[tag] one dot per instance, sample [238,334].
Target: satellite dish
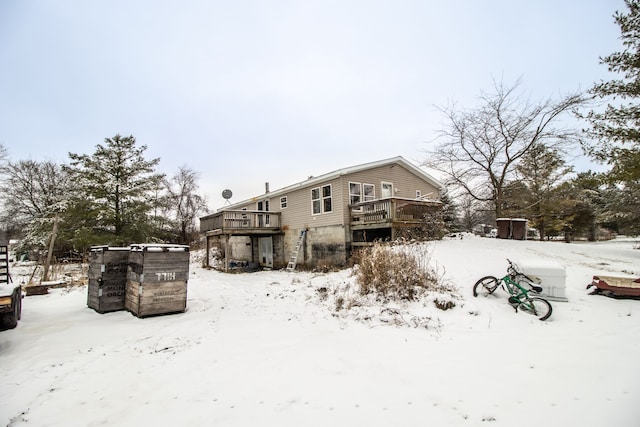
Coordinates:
[227,195]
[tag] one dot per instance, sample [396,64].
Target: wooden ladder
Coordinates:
[4,264]
[293,260]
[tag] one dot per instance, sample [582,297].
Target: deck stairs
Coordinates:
[293,260]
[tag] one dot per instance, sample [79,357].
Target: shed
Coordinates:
[157,279]
[107,278]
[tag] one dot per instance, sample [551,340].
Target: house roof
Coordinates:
[399,160]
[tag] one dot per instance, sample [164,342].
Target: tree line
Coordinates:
[511,157]
[112,197]
[508,157]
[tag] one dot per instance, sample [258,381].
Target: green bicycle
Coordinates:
[513,283]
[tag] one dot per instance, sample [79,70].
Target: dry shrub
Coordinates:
[444,305]
[391,284]
[396,272]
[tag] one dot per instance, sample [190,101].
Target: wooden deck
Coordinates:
[240,222]
[392,218]
[391,212]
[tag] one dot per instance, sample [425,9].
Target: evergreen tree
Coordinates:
[449,212]
[621,211]
[575,213]
[541,170]
[117,184]
[616,130]
[3,155]
[516,200]
[593,191]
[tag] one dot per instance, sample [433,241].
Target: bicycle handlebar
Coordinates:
[516,270]
[515,267]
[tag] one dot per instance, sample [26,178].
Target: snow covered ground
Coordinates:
[265,349]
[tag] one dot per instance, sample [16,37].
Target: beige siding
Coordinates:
[329,232]
[298,213]
[405,182]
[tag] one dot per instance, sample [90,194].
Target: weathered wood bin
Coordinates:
[512,228]
[157,279]
[107,278]
[504,228]
[518,229]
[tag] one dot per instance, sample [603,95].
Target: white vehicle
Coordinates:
[10,294]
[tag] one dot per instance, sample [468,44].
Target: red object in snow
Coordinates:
[615,286]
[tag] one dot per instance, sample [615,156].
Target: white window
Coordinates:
[355,193]
[369,191]
[264,220]
[387,189]
[326,199]
[321,201]
[316,206]
[283,202]
[418,194]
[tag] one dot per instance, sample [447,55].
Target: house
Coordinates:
[319,221]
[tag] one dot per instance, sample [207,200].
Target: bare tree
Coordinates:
[481,147]
[34,196]
[184,204]
[470,213]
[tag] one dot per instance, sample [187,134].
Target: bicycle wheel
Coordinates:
[485,286]
[541,308]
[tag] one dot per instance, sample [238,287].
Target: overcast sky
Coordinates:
[246,92]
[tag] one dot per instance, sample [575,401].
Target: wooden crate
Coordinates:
[157,279]
[107,278]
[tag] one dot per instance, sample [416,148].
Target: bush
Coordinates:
[395,272]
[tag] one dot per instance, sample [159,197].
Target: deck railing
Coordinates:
[240,220]
[391,210]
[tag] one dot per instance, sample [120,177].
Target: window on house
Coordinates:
[315,201]
[355,193]
[283,202]
[263,220]
[369,191]
[321,201]
[326,199]
[387,190]
[418,194]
